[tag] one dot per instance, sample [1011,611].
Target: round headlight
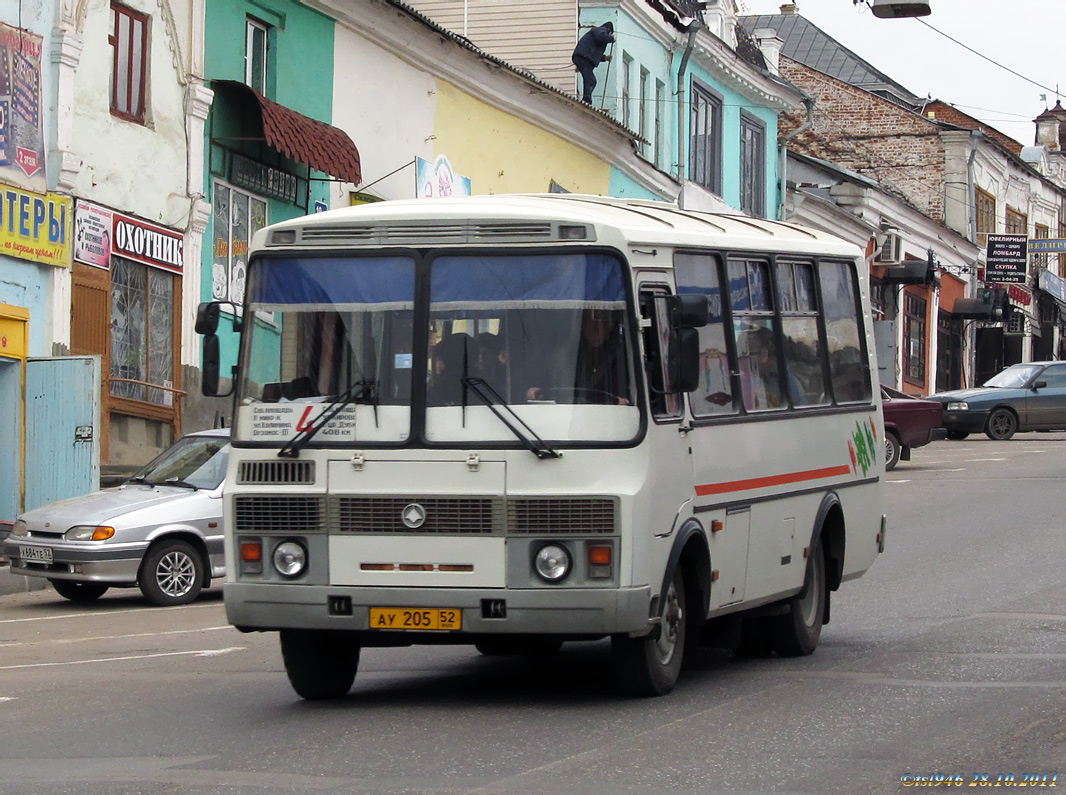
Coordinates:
[290,559]
[552,562]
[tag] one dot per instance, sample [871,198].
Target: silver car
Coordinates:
[161,530]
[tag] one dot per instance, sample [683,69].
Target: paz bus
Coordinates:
[517,421]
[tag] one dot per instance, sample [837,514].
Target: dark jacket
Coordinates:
[593,44]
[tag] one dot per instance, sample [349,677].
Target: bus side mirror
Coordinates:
[207,314]
[684,360]
[688,310]
[211,362]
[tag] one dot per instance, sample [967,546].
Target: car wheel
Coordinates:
[79,591]
[957,436]
[796,633]
[320,664]
[172,573]
[651,665]
[892,450]
[1002,425]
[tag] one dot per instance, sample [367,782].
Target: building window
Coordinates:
[660,102]
[142,332]
[129,55]
[877,298]
[642,109]
[914,338]
[255,55]
[705,161]
[237,216]
[1062,234]
[1017,223]
[627,70]
[1040,232]
[985,210]
[752,165]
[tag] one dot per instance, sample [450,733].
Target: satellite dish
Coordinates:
[895,9]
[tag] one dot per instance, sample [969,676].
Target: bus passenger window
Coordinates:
[804,362]
[753,328]
[698,273]
[848,369]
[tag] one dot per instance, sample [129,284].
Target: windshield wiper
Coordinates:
[182,483]
[142,480]
[491,398]
[358,390]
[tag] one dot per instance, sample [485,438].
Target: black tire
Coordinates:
[79,591]
[892,450]
[499,647]
[796,633]
[957,436]
[651,665]
[171,574]
[320,664]
[755,639]
[1002,425]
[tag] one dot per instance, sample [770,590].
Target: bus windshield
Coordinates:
[542,338]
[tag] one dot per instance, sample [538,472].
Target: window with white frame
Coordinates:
[627,70]
[660,103]
[642,109]
[255,54]
[237,215]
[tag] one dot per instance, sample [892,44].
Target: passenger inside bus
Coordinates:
[601,371]
[445,386]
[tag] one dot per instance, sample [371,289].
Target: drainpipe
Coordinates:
[693,28]
[975,137]
[782,158]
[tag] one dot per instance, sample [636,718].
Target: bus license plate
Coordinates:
[443,618]
[36,554]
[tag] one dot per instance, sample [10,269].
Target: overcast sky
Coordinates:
[1024,35]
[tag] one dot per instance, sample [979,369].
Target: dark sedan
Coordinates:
[1023,397]
[909,422]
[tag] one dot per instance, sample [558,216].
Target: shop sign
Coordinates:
[437,179]
[21,135]
[1019,295]
[92,234]
[1053,285]
[263,179]
[144,242]
[1047,245]
[1006,259]
[35,227]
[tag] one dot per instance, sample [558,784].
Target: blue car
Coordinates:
[1022,397]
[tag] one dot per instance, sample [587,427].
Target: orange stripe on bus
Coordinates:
[771,480]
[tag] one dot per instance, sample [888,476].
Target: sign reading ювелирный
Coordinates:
[1006,259]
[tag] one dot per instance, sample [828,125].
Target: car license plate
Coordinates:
[444,618]
[36,554]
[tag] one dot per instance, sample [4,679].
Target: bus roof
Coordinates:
[497,219]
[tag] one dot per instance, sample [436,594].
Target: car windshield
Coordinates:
[198,461]
[1013,377]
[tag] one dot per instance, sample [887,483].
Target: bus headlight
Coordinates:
[552,563]
[290,559]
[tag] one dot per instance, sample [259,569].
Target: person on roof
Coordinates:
[588,54]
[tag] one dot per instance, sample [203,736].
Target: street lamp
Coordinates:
[895,9]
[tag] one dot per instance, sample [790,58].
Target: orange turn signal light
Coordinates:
[599,556]
[103,533]
[252,550]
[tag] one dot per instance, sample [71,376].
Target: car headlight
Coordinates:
[552,563]
[290,559]
[89,533]
[19,528]
[958,406]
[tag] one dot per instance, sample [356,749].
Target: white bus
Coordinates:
[515,421]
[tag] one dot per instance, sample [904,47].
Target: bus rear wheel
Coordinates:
[796,633]
[320,664]
[651,665]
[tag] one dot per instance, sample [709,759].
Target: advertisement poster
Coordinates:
[21,135]
[92,235]
[436,179]
[35,227]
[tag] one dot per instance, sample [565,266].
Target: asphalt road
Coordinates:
[948,657]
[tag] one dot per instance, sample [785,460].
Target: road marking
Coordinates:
[990,459]
[60,641]
[7,698]
[897,481]
[960,469]
[98,613]
[197,653]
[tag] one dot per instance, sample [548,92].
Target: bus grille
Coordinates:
[548,515]
[444,515]
[279,514]
[276,473]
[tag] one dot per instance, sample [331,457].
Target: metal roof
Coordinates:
[813,47]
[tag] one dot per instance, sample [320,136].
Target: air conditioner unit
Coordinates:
[891,251]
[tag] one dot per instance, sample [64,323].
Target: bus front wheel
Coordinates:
[651,665]
[796,633]
[320,664]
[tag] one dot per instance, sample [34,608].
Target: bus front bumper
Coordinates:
[485,611]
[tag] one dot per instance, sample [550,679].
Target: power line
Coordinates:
[982,55]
